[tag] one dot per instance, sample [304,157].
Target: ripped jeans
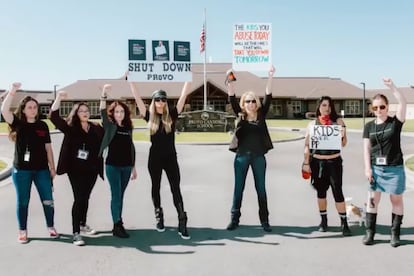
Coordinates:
[22,180]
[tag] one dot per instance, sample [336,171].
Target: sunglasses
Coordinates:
[250,101]
[381,107]
[160,100]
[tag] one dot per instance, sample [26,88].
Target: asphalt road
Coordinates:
[294,247]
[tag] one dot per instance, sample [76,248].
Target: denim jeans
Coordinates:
[118,178]
[241,167]
[22,180]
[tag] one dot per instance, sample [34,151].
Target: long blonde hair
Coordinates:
[154,119]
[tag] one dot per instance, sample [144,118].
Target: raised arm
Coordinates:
[231,91]
[184,93]
[104,95]
[55,118]
[402,102]
[272,71]
[60,96]
[138,99]
[5,107]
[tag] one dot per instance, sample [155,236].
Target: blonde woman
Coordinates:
[161,120]
[251,142]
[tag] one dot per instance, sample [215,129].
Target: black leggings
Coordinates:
[170,165]
[82,185]
[325,174]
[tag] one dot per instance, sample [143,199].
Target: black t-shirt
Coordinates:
[30,142]
[163,143]
[120,147]
[251,137]
[385,140]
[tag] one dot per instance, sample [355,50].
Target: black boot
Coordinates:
[119,230]
[234,222]
[159,216]
[395,230]
[182,226]
[266,226]
[370,228]
[323,226]
[264,216]
[344,226]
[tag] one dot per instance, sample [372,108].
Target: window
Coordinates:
[65,108]
[94,109]
[276,108]
[352,107]
[296,106]
[44,110]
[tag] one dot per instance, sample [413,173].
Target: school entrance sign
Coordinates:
[205,121]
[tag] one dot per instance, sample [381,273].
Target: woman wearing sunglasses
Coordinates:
[324,161]
[161,120]
[251,142]
[383,160]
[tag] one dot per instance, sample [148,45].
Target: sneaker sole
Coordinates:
[89,233]
[160,230]
[184,237]
[79,243]
[22,242]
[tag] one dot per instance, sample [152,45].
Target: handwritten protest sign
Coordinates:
[159,67]
[325,137]
[252,46]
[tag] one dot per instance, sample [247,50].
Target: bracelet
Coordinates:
[303,164]
[104,98]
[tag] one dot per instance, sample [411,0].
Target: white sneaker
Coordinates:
[22,237]
[77,240]
[87,230]
[53,233]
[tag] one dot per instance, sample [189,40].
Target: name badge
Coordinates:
[381,161]
[83,154]
[26,157]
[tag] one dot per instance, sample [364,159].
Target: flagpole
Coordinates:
[205,57]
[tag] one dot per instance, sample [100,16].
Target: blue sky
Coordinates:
[59,42]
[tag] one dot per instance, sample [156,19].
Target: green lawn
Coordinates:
[409,163]
[2,165]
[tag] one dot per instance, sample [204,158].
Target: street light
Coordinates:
[54,91]
[363,104]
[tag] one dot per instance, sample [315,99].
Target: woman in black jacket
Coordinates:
[251,142]
[79,159]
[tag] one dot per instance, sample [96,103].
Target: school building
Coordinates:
[293,97]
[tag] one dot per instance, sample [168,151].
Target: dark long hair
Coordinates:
[333,115]
[126,122]
[73,117]
[20,114]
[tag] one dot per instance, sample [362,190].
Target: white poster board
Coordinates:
[325,137]
[252,44]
